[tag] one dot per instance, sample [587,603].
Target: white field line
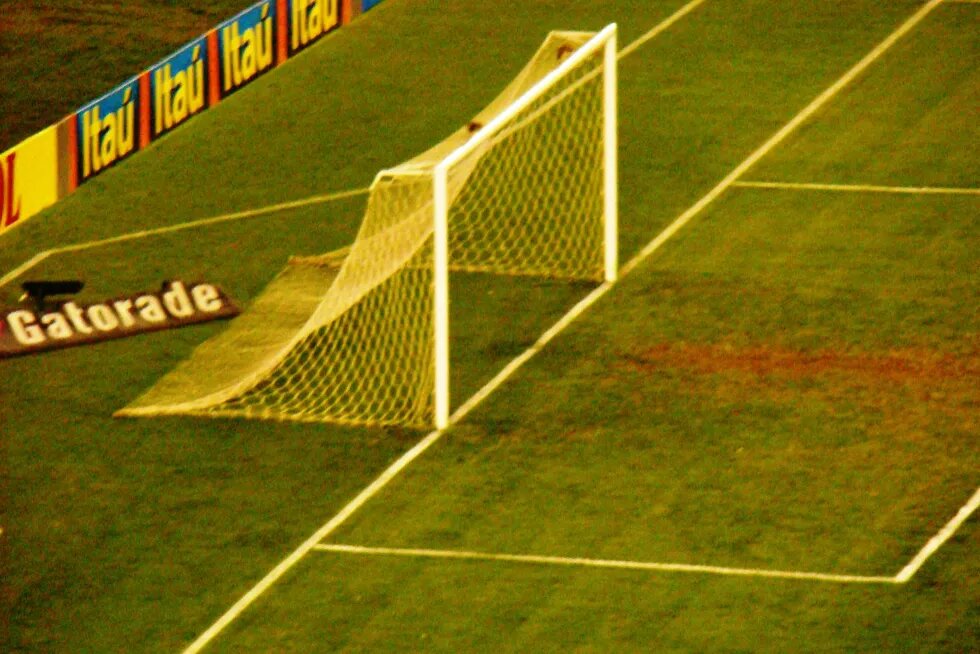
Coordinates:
[604,563]
[524,356]
[276,573]
[785,131]
[860,188]
[940,538]
[660,27]
[24,267]
[930,548]
[392,471]
[226,217]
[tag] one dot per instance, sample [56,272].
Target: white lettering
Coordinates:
[177,302]
[23,327]
[125,310]
[149,309]
[206,298]
[76,318]
[103,318]
[174,305]
[57,326]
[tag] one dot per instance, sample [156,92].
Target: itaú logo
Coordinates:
[175,305]
[246,51]
[109,137]
[179,94]
[9,198]
[311,19]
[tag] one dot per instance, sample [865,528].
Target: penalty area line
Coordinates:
[939,539]
[930,548]
[649,566]
[860,188]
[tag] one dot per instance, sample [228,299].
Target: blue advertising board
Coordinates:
[178,86]
[247,45]
[107,129]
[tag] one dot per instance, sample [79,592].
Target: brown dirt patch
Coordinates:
[895,366]
[910,395]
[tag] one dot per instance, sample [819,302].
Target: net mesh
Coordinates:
[348,337]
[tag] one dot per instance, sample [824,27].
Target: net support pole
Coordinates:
[441,292]
[610,168]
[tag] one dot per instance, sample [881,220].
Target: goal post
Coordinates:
[610,127]
[362,336]
[602,44]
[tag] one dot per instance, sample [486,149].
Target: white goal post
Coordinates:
[361,335]
[604,41]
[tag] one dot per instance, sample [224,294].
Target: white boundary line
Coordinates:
[226,217]
[24,267]
[940,538]
[604,563]
[276,573]
[906,573]
[785,131]
[659,27]
[860,188]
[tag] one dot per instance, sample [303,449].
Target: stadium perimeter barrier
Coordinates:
[49,165]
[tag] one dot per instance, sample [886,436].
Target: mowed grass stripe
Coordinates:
[913,134]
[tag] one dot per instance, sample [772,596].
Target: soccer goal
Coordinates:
[361,336]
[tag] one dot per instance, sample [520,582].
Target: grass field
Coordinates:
[737,448]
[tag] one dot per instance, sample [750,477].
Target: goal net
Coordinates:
[361,336]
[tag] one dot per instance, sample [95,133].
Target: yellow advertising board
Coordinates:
[28,178]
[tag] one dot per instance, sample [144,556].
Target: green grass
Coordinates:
[788,384]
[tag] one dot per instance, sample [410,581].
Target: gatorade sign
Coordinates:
[176,304]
